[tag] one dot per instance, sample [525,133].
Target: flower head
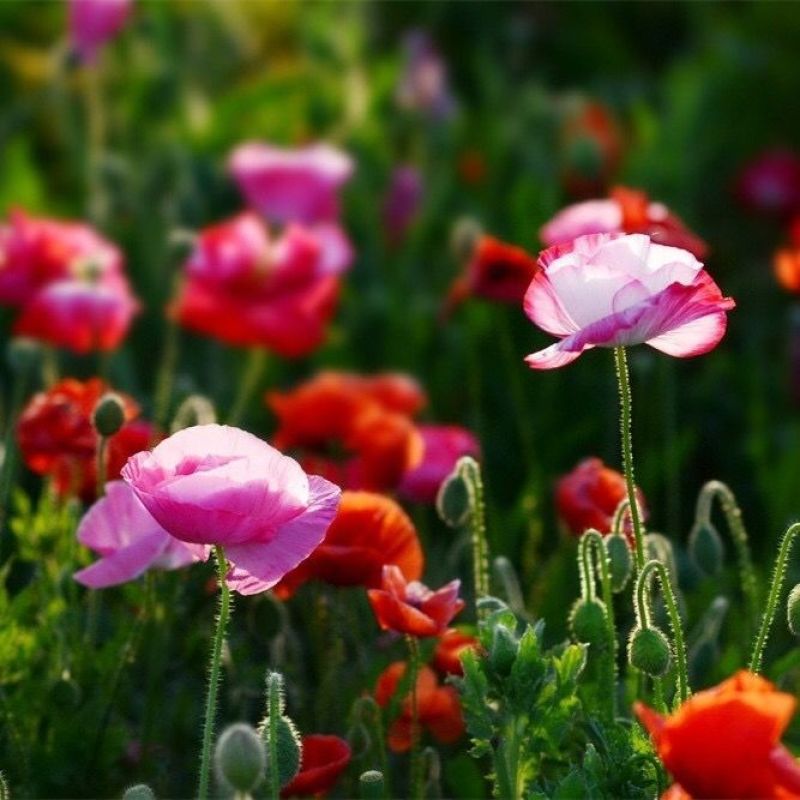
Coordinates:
[589,496]
[725,742]
[449,649]
[93,22]
[248,288]
[129,541]
[770,183]
[213,484]
[368,532]
[438,707]
[322,760]
[608,290]
[413,608]
[286,185]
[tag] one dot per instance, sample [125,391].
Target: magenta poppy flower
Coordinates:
[609,290]
[401,202]
[248,288]
[443,445]
[128,540]
[80,315]
[298,185]
[213,484]
[770,183]
[93,22]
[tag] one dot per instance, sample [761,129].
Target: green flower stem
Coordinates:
[642,589]
[253,372]
[733,516]
[415,756]
[778,576]
[619,516]
[274,711]
[214,673]
[477,524]
[624,381]
[102,464]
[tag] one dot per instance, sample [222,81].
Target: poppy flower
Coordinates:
[413,608]
[215,484]
[368,532]
[322,760]
[291,185]
[725,742]
[770,183]
[449,648]
[37,251]
[591,147]
[496,271]
[93,22]
[589,495]
[438,707]
[442,446]
[787,260]
[401,202]
[128,540]
[250,289]
[56,436]
[363,419]
[423,87]
[607,290]
[625,211]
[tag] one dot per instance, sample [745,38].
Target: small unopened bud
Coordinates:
[24,355]
[649,651]
[287,740]
[454,501]
[503,649]
[620,560]
[588,621]
[109,414]
[705,546]
[194,410]
[464,238]
[239,758]
[371,785]
[141,791]
[793,610]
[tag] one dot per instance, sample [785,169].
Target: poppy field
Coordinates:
[399,400]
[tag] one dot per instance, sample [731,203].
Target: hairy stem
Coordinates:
[416,760]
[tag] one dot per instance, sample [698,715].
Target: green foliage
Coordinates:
[526,716]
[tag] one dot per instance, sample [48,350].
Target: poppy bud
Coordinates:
[503,649]
[23,355]
[372,785]
[705,546]
[620,560]
[454,500]
[109,414]
[239,758]
[287,739]
[194,410]
[141,791]
[793,610]
[464,237]
[649,651]
[588,621]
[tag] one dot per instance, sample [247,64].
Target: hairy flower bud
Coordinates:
[793,610]
[503,649]
[588,621]
[109,414]
[620,560]
[649,651]
[706,548]
[141,791]
[239,758]
[371,785]
[453,502]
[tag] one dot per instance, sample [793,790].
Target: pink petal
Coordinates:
[259,566]
[543,307]
[557,355]
[694,338]
[125,564]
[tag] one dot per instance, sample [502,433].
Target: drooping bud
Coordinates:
[649,651]
[503,649]
[141,791]
[371,784]
[194,410]
[24,355]
[620,560]
[239,758]
[793,610]
[109,414]
[286,738]
[588,621]
[454,499]
[706,548]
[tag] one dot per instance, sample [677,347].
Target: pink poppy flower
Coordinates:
[443,445]
[247,288]
[299,185]
[80,315]
[93,22]
[213,484]
[129,540]
[770,183]
[610,289]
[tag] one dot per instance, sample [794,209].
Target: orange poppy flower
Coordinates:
[322,761]
[438,707]
[369,531]
[725,742]
[447,655]
[413,608]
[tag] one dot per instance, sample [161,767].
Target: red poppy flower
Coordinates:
[56,436]
[725,742]
[497,271]
[589,495]
[438,707]
[413,608]
[323,759]
[449,648]
[248,289]
[369,531]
